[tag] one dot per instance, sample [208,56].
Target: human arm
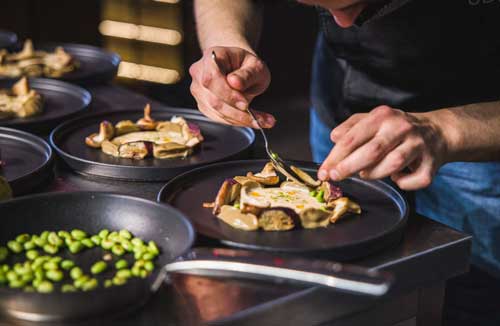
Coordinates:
[411,147]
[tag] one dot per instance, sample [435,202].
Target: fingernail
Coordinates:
[334,175]
[241,105]
[322,175]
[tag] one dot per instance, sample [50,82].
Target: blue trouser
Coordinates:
[465,196]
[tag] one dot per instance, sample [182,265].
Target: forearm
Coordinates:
[472,131]
[235,23]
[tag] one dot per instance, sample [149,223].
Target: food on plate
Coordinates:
[147,137]
[20,101]
[125,257]
[35,63]
[5,190]
[260,201]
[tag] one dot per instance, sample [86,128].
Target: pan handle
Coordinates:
[248,264]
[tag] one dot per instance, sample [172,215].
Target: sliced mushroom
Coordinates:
[110,148]
[266,177]
[32,104]
[250,196]
[169,126]
[21,87]
[136,151]
[237,219]
[288,176]
[342,206]
[126,127]
[305,177]
[242,180]
[106,132]
[170,150]
[275,220]
[26,53]
[146,122]
[224,195]
[313,218]
[331,192]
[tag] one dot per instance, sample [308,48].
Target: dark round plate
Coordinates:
[221,142]
[28,160]
[61,102]
[381,223]
[96,65]
[7,39]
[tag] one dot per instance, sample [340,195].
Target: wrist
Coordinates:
[234,41]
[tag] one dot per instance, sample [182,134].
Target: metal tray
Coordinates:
[381,223]
[221,143]
[7,39]
[28,160]
[61,102]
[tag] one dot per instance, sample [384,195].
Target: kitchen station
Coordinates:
[136,192]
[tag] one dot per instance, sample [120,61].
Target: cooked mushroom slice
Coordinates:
[21,87]
[331,192]
[225,194]
[311,218]
[275,220]
[157,137]
[249,195]
[306,178]
[237,219]
[266,177]
[110,148]
[147,123]
[170,150]
[241,179]
[106,132]
[31,105]
[126,127]
[288,176]
[137,150]
[168,126]
[344,205]
[26,53]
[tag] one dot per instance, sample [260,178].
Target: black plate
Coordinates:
[221,142]
[7,39]
[381,223]
[61,101]
[96,64]
[28,160]
[91,212]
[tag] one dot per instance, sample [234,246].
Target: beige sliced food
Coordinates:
[344,205]
[312,218]
[156,137]
[305,177]
[106,132]
[232,216]
[171,150]
[20,101]
[275,220]
[125,127]
[137,150]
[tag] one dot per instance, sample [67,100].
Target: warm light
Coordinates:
[148,73]
[140,32]
[168,1]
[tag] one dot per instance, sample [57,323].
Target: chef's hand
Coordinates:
[408,147]
[224,96]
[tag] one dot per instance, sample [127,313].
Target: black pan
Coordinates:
[174,235]
[27,158]
[381,223]
[7,39]
[221,142]
[96,65]
[62,101]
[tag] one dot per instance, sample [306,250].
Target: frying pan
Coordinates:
[151,221]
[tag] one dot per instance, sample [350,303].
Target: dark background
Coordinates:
[286,45]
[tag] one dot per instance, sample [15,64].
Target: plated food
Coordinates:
[124,256]
[20,101]
[263,201]
[36,63]
[147,137]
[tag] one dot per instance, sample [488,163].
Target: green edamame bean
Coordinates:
[56,259]
[39,274]
[3,278]
[121,264]
[103,234]
[113,236]
[140,263]
[15,246]
[78,234]
[45,287]
[29,288]
[148,256]
[67,264]
[124,273]
[22,238]
[143,273]
[119,281]
[153,248]
[108,283]
[44,235]
[29,245]
[88,243]
[106,244]
[11,276]
[76,273]
[54,275]
[21,269]
[80,281]
[125,234]
[137,242]
[136,271]
[68,288]
[50,266]
[16,284]
[149,266]
[76,247]
[90,285]
[98,267]
[55,240]
[127,245]
[64,234]
[69,241]
[50,249]
[5,268]
[118,250]
[32,254]
[4,253]
[40,242]
[96,240]
[28,277]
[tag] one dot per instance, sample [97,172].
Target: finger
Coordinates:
[214,80]
[420,178]
[252,77]
[344,127]
[395,161]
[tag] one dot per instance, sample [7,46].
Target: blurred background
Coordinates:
[157,42]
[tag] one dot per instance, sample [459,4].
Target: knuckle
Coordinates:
[206,79]
[419,144]
[214,103]
[376,148]
[405,127]
[398,161]
[426,180]
[383,111]
[346,141]
[333,135]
